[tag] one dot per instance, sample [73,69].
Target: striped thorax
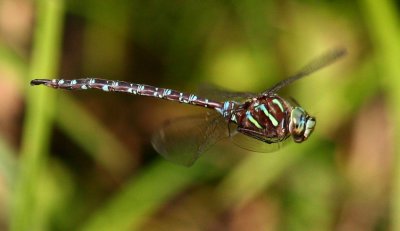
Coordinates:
[270,118]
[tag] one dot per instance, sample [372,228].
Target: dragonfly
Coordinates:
[259,122]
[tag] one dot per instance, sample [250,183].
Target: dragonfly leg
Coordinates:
[259,135]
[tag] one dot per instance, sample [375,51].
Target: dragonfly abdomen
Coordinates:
[131,88]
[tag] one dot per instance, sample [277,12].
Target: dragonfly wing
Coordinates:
[183,140]
[220,94]
[315,65]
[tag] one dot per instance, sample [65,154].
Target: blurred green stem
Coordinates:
[39,114]
[146,193]
[98,145]
[384,29]
[239,187]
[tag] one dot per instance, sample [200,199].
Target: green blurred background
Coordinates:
[83,160]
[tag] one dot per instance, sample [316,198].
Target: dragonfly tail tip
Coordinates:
[39,82]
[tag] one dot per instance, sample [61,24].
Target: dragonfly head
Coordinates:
[301,125]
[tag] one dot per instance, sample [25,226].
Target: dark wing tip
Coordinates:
[39,81]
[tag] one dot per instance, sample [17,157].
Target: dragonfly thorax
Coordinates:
[264,118]
[270,118]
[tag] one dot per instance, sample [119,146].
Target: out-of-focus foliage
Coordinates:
[83,161]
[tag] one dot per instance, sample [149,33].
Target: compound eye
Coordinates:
[297,125]
[310,125]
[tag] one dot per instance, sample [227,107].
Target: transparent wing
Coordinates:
[219,94]
[183,140]
[293,101]
[252,144]
[321,62]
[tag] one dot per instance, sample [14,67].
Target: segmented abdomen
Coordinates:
[132,88]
